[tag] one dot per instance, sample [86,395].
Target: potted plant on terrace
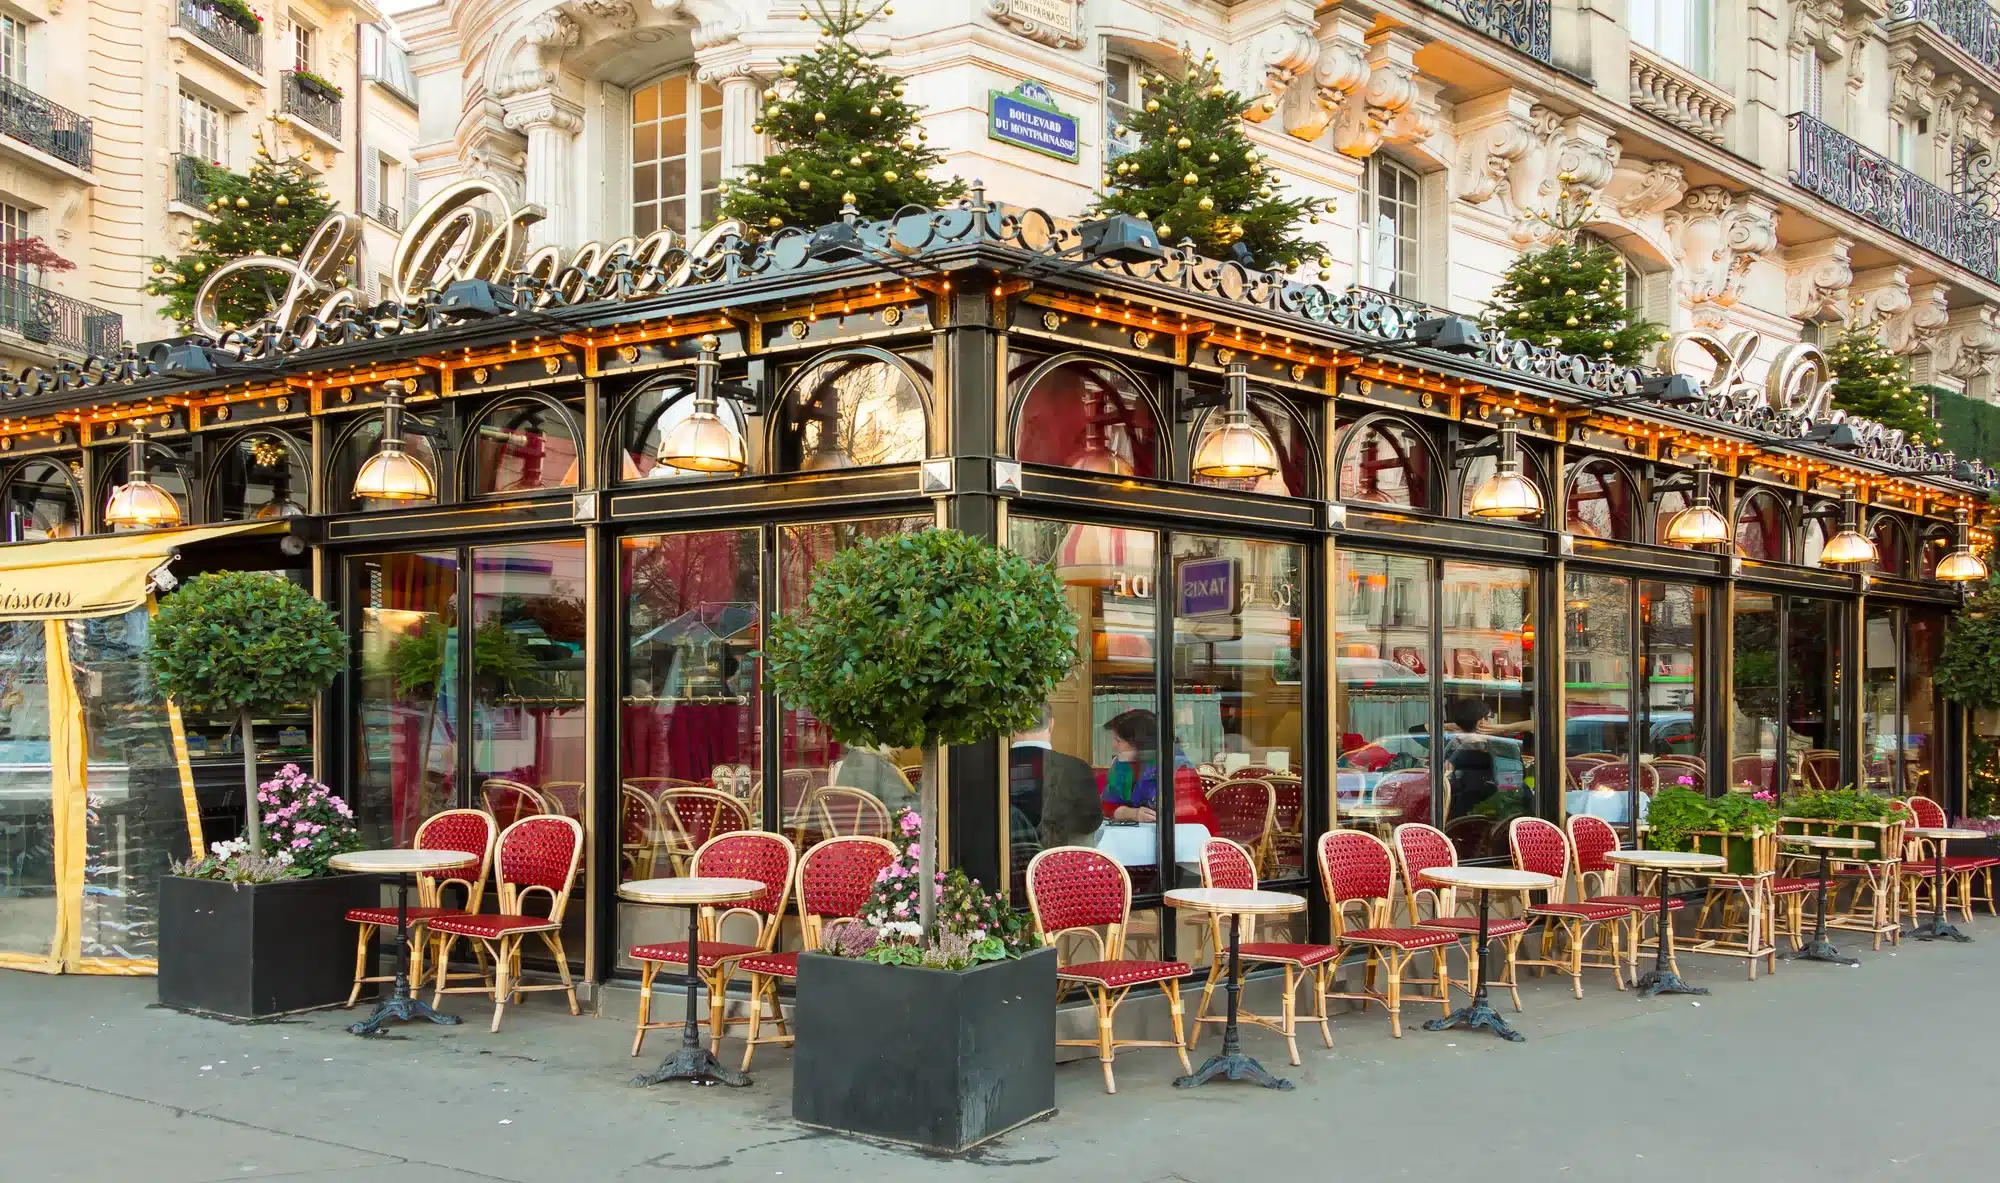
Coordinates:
[258,926]
[947,1008]
[1741,827]
[1848,813]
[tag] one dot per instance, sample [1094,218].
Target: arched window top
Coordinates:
[1665,506]
[1892,546]
[648,415]
[1819,526]
[522,445]
[260,474]
[1282,422]
[1089,415]
[1938,542]
[1473,472]
[40,501]
[354,449]
[854,409]
[1762,527]
[169,476]
[1387,462]
[1601,501]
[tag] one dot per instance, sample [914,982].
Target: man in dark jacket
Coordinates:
[1053,796]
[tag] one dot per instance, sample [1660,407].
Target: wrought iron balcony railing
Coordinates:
[305,100]
[39,123]
[189,188]
[223,31]
[51,318]
[1969,23]
[1527,25]
[1867,183]
[387,214]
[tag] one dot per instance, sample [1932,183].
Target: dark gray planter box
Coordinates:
[251,951]
[927,1057]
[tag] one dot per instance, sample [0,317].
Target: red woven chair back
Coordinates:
[1250,772]
[509,802]
[636,817]
[1592,838]
[1422,847]
[566,796]
[1539,846]
[836,876]
[1225,864]
[1759,772]
[767,858]
[467,830]
[1927,812]
[1077,887]
[538,854]
[1354,865]
[1677,772]
[1242,810]
[1580,766]
[701,814]
[1408,790]
[1614,776]
[1291,797]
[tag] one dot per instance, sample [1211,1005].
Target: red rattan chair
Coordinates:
[1540,846]
[535,854]
[1418,849]
[834,880]
[563,796]
[1244,808]
[841,812]
[1079,889]
[1970,872]
[1757,772]
[469,830]
[509,800]
[1681,772]
[1288,831]
[1226,864]
[1820,768]
[1357,873]
[1591,838]
[752,854]
[694,816]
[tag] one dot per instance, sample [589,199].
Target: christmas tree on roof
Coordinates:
[1571,292]
[1871,382]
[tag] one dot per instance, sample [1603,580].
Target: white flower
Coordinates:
[903,928]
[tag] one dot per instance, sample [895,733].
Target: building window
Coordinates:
[676,154]
[1086,415]
[1386,463]
[14,49]
[1389,228]
[1124,91]
[1679,30]
[13,228]
[304,39]
[1809,74]
[202,124]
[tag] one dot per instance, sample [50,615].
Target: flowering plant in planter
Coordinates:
[973,924]
[305,825]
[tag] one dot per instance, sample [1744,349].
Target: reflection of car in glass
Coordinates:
[1395,753]
[1666,733]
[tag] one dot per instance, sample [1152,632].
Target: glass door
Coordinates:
[404,755]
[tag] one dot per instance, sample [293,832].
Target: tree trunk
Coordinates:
[927,847]
[253,813]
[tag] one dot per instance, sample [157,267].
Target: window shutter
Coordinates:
[409,192]
[371,182]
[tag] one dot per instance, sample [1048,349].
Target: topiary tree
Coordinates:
[918,640]
[241,642]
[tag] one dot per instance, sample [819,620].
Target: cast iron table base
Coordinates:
[1480,1013]
[1819,948]
[1937,928]
[401,1006]
[692,1059]
[1661,979]
[1230,1062]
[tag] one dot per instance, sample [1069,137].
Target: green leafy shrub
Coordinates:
[1743,813]
[1674,818]
[1842,805]
[1968,669]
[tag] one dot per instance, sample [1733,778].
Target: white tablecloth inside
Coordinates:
[1138,846]
[1610,804]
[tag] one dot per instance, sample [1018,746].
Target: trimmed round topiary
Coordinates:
[244,642]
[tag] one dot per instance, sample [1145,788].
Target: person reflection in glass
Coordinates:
[1055,791]
[1132,788]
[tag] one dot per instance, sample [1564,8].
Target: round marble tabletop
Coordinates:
[1235,900]
[1370,812]
[690,890]
[1942,832]
[1666,860]
[401,861]
[1826,841]
[1489,878]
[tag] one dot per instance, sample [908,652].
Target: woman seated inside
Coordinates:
[1132,786]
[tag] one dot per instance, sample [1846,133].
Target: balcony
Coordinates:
[386,214]
[1869,185]
[58,321]
[190,188]
[1527,25]
[44,126]
[309,102]
[222,32]
[1968,24]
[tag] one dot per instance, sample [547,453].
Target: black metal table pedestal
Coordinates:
[692,1059]
[1480,1013]
[402,1006]
[1230,1062]
[1937,927]
[1819,948]
[1661,979]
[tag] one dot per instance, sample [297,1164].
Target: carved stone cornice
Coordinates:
[1519,153]
[1817,278]
[1969,347]
[540,109]
[536,53]
[1278,56]
[1393,105]
[1908,317]
[1031,21]
[1640,187]
[1338,71]
[1717,235]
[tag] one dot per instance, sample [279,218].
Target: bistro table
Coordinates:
[1821,949]
[1485,881]
[1234,903]
[692,1060]
[401,1006]
[1661,979]
[1938,928]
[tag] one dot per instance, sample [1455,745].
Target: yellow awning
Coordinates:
[104,575]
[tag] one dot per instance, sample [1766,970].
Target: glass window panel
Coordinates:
[1665,506]
[406,691]
[673,179]
[645,184]
[1761,527]
[673,97]
[711,168]
[260,476]
[1755,718]
[1474,471]
[1815,632]
[1239,681]
[645,220]
[645,144]
[1093,775]
[524,446]
[1387,464]
[1673,631]
[1288,435]
[1383,674]
[1600,501]
[1921,738]
[355,450]
[1881,702]
[1089,416]
[1891,547]
[852,411]
[646,103]
[1599,683]
[40,502]
[651,416]
[1489,704]
[27,838]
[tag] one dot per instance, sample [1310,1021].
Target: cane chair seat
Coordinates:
[491,926]
[386,917]
[1496,926]
[1774,886]
[1647,904]
[1124,973]
[777,965]
[1400,938]
[1593,910]
[1970,862]
[1286,951]
[713,953]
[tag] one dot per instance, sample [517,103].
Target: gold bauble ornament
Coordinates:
[784,170]
[1608,343]
[874,110]
[756,129]
[1324,275]
[804,186]
[1190,179]
[1152,104]
[791,70]
[867,156]
[1571,322]
[1206,203]
[854,161]
[242,203]
[1214,159]
[770,92]
[285,247]
[281,199]
[1183,143]
[819,117]
[897,90]
[889,175]
[776,221]
[1265,192]
[1164,229]
[1218,90]
[847,198]
[159,269]
[771,112]
[1569,291]
[200,267]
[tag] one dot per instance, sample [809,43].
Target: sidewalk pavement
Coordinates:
[1818,1073]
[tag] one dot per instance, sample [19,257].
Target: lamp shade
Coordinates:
[703,442]
[1506,494]
[1235,447]
[1849,548]
[392,474]
[1961,566]
[1697,525]
[283,507]
[140,504]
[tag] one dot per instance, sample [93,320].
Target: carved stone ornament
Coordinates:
[1908,317]
[537,50]
[1279,56]
[1717,235]
[1340,70]
[1393,105]
[1640,187]
[1051,22]
[619,14]
[1817,276]
[1970,346]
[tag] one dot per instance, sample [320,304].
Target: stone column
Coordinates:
[550,123]
[742,99]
